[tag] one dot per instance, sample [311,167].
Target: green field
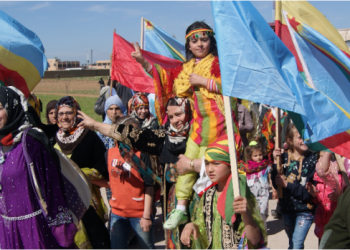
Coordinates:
[86,104]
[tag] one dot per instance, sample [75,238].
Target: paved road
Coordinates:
[277,238]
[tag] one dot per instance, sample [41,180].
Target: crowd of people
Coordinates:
[150,150]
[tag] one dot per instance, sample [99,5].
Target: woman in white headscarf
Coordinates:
[114,108]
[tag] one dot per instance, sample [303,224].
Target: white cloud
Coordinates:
[39,6]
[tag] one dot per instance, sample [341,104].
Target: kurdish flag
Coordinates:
[159,42]
[256,65]
[22,58]
[323,60]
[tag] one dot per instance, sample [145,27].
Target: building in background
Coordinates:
[102,64]
[57,64]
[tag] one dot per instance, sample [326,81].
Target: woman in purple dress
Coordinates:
[22,221]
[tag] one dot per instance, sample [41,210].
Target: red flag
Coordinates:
[130,73]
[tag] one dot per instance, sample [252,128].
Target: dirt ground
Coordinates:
[79,87]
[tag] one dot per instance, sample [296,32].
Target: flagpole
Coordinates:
[278,126]
[142,32]
[110,70]
[278,145]
[232,146]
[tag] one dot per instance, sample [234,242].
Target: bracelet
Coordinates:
[192,165]
[145,218]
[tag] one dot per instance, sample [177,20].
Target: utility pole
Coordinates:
[91,57]
[87,57]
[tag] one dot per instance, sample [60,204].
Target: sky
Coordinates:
[68,28]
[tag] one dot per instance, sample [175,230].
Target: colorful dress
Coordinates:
[22,224]
[216,233]
[206,103]
[257,175]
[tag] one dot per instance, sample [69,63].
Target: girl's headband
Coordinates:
[209,31]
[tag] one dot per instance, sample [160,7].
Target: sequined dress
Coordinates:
[22,224]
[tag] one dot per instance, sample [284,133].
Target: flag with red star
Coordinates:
[324,63]
[157,41]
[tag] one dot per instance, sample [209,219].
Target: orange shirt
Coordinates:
[127,186]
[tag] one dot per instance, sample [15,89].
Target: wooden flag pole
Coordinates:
[232,146]
[342,169]
[110,70]
[278,145]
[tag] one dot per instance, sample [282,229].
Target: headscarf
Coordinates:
[69,102]
[138,100]
[16,107]
[218,151]
[113,100]
[175,141]
[51,105]
[69,138]
[130,106]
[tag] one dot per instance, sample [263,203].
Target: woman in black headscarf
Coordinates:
[86,149]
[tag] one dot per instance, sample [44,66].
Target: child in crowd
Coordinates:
[329,186]
[132,195]
[199,80]
[257,172]
[298,169]
[218,223]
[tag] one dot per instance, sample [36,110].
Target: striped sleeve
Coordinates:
[211,86]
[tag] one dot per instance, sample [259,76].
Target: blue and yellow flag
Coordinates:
[22,58]
[256,65]
[157,41]
[326,68]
